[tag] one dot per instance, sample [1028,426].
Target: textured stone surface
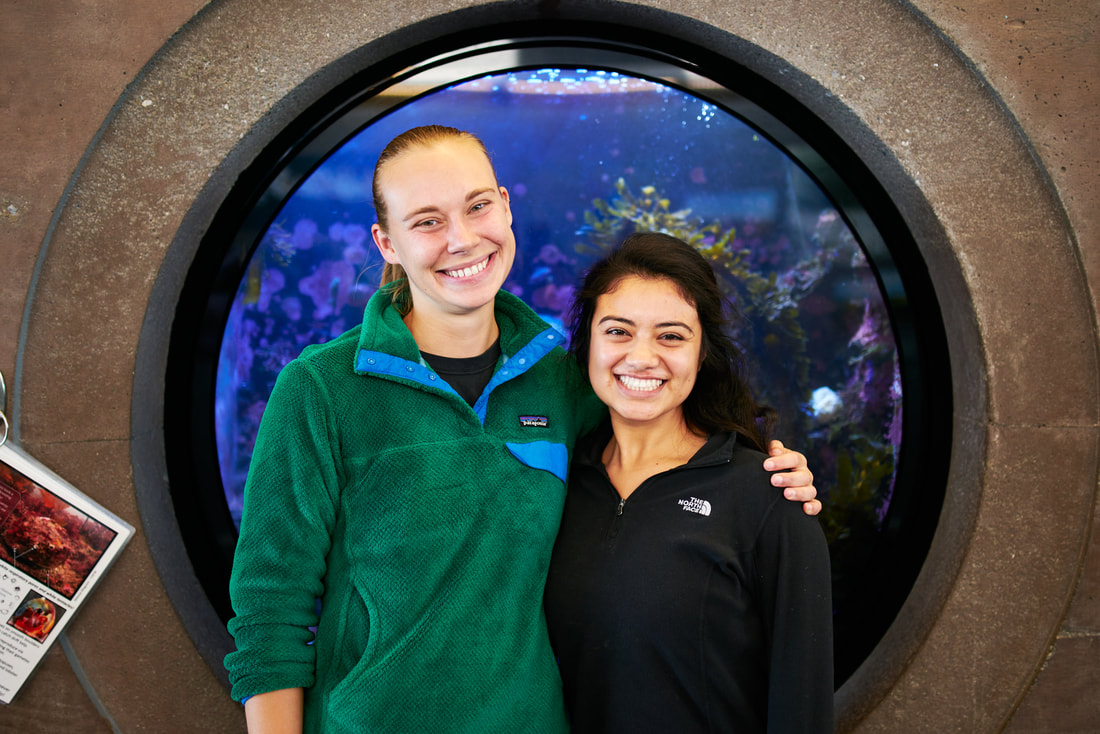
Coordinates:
[64,67]
[1008,590]
[1043,60]
[140,653]
[989,107]
[1084,613]
[1063,700]
[53,700]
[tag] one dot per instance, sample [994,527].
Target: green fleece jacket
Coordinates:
[423,525]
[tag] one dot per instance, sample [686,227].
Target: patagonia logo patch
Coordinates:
[534,421]
[696,505]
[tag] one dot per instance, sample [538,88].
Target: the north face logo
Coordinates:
[534,421]
[697,505]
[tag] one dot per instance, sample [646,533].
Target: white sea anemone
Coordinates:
[825,403]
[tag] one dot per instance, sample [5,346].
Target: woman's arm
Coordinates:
[275,712]
[290,509]
[795,594]
[792,473]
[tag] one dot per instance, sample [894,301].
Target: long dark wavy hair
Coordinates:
[721,399]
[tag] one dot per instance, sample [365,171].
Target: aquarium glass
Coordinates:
[589,156]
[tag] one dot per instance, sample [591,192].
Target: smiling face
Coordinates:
[645,351]
[449,225]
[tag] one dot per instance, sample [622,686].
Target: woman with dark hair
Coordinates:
[410,475]
[684,594]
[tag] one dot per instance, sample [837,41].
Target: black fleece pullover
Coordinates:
[700,604]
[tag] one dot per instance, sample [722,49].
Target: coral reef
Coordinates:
[842,409]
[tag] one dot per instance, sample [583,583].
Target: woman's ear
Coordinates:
[507,203]
[384,245]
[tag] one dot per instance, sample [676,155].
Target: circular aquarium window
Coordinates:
[841,339]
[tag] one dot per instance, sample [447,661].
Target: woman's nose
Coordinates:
[641,354]
[462,236]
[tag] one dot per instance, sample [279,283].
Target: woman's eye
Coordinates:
[672,337]
[615,331]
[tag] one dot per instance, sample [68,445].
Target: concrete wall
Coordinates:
[987,107]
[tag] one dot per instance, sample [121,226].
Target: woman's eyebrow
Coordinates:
[479,192]
[680,324]
[431,209]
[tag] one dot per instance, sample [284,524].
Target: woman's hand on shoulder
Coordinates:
[792,472]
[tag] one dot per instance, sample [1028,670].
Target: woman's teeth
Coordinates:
[634,383]
[467,272]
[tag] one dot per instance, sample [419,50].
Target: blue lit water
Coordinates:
[818,335]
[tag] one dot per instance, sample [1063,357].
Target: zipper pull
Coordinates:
[622,501]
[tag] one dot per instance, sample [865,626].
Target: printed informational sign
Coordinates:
[55,546]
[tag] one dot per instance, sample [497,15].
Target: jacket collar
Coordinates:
[383,329]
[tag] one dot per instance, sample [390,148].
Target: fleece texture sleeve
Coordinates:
[285,537]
